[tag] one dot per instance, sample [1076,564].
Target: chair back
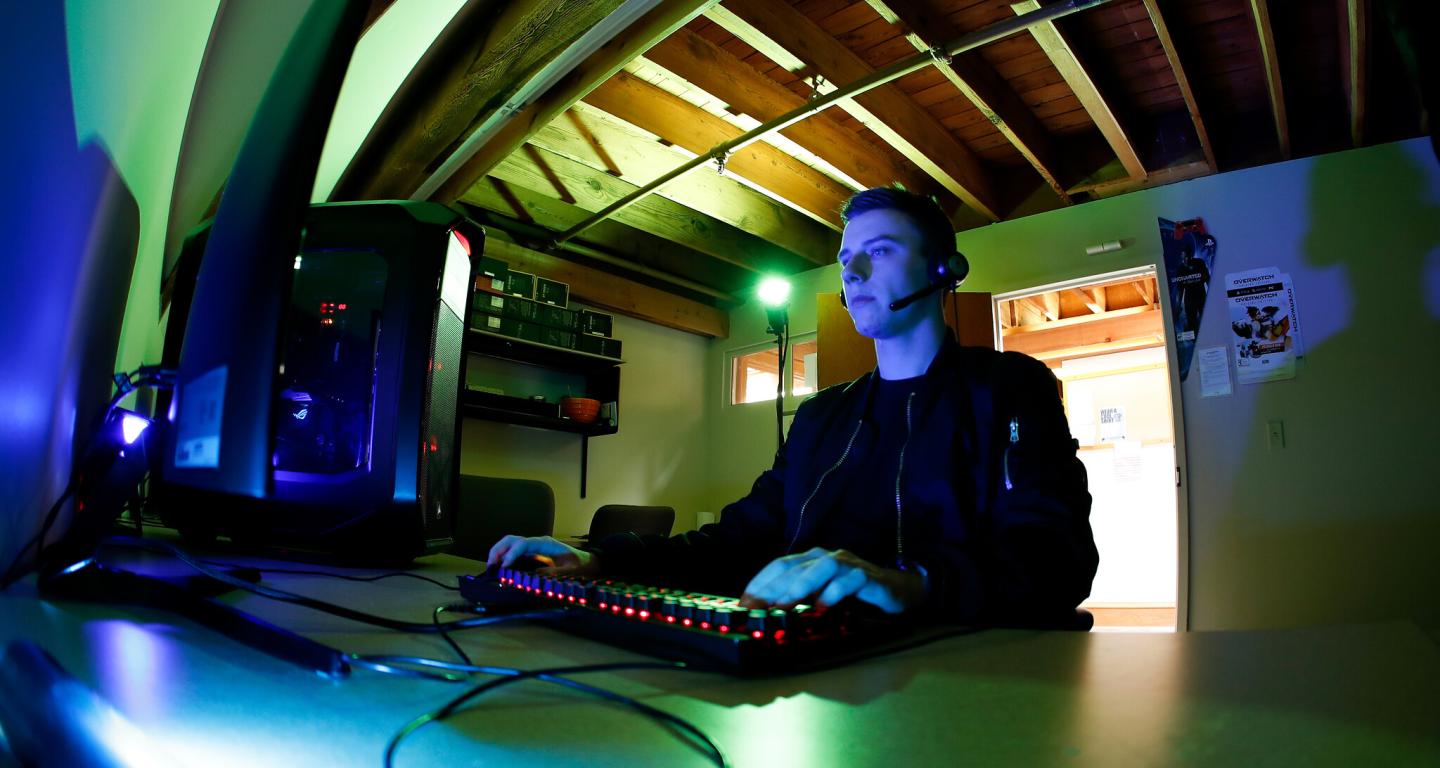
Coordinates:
[617,518]
[492,507]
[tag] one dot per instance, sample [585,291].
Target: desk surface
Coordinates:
[1343,695]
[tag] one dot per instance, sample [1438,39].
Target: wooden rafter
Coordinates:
[664,19]
[1355,39]
[575,183]
[783,33]
[1157,178]
[686,125]
[1162,32]
[478,61]
[1068,65]
[606,144]
[606,291]
[1261,14]
[530,217]
[717,72]
[975,79]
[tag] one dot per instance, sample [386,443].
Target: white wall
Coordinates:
[1341,524]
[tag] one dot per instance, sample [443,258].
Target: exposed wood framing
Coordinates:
[715,71]
[1068,65]
[478,61]
[783,33]
[686,125]
[1158,178]
[616,294]
[665,19]
[1261,14]
[969,73]
[587,135]
[544,171]
[1355,39]
[1162,32]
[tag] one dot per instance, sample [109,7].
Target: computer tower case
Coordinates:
[363,439]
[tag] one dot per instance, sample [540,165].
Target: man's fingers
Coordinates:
[498,552]
[848,583]
[807,580]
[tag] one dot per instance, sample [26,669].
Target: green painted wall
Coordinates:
[659,456]
[1339,525]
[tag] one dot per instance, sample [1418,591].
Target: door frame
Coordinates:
[1177,411]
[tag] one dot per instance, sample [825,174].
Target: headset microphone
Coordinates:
[905,301]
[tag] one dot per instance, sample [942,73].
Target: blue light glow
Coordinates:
[132,426]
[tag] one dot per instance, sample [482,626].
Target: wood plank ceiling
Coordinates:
[535,115]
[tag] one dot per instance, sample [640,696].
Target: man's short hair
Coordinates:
[937,237]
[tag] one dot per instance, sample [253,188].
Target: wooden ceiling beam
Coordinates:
[977,81]
[1068,65]
[659,23]
[1261,14]
[1157,178]
[520,212]
[478,61]
[692,128]
[607,144]
[616,294]
[1355,39]
[717,72]
[1162,32]
[543,171]
[783,33]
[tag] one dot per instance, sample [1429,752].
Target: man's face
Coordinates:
[881,260]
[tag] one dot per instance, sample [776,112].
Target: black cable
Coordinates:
[125,383]
[320,605]
[444,634]
[345,576]
[553,675]
[782,338]
[13,573]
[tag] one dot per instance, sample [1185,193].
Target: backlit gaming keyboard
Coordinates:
[706,630]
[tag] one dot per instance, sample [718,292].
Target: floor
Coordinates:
[1133,619]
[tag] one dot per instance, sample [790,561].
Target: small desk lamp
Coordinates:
[774,293]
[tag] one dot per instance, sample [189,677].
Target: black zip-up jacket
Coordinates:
[1007,536]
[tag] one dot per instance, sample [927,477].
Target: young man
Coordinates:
[944,482]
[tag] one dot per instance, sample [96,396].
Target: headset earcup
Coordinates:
[955,269]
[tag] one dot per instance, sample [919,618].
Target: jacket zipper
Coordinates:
[800,524]
[899,514]
[1014,438]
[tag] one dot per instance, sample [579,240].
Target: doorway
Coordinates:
[1104,339]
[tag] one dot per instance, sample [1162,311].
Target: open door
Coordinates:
[844,354]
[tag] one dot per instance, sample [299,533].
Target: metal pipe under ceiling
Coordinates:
[879,77]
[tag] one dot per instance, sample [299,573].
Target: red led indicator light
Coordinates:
[629,611]
[779,634]
[686,622]
[582,602]
[644,614]
[757,634]
[603,606]
[704,625]
[724,628]
[670,619]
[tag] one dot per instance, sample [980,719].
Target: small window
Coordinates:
[755,371]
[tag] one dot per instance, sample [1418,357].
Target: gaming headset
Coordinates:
[942,273]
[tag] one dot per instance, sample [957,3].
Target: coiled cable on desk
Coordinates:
[554,675]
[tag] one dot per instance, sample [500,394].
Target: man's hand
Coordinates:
[823,578]
[562,559]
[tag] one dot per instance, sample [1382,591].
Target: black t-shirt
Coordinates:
[864,519]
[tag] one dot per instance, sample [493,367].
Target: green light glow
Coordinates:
[774,291]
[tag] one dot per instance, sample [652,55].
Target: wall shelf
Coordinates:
[523,369]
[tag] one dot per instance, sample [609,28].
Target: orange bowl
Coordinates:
[581,409]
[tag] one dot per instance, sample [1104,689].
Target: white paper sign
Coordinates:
[1214,372]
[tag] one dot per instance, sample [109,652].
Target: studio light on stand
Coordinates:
[774,293]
